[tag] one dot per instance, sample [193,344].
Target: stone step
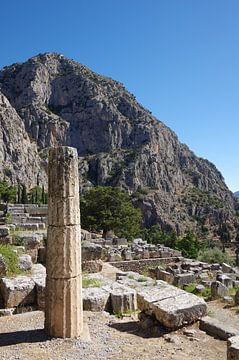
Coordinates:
[217,328]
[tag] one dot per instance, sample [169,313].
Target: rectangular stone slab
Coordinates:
[171,306]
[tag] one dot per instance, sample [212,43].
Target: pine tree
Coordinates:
[24,198]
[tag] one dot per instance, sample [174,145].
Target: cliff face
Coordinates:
[19,158]
[57,101]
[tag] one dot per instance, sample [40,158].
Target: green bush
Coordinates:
[214,255]
[11,259]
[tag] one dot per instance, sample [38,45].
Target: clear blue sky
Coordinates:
[179,57]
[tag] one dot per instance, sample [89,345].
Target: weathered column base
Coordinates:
[64,294]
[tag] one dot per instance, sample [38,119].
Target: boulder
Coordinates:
[17,291]
[95,299]
[218,290]
[25,262]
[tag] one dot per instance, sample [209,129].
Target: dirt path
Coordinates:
[22,338]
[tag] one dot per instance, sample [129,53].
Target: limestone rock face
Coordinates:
[19,157]
[50,100]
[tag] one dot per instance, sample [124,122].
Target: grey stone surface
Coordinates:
[225,280]
[217,328]
[123,299]
[95,299]
[171,306]
[25,262]
[17,291]
[91,251]
[218,290]
[233,348]
[184,279]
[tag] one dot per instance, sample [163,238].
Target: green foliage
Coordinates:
[224,233]
[8,193]
[142,279]
[191,288]
[214,255]
[88,282]
[11,258]
[189,245]
[24,197]
[155,235]
[8,218]
[110,209]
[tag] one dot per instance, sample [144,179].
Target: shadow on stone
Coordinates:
[27,336]
[134,327]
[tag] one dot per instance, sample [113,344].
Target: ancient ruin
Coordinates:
[63,310]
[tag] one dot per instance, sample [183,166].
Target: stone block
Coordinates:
[25,262]
[164,275]
[227,268]
[40,292]
[123,299]
[233,348]
[216,328]
[17,291]
[171,306]
[91,251]
[218,290]
[92,266]
[225,280]
[184,279]
[95,299]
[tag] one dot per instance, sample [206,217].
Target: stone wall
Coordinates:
[144,264]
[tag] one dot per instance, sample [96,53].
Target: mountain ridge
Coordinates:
[120,143]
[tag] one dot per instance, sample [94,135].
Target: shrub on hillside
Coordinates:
[214,255]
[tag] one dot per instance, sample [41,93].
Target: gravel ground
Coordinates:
[22,338]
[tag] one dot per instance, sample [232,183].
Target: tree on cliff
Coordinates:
[109,209]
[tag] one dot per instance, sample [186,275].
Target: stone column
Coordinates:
[64,308]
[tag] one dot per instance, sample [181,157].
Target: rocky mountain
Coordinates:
[236,194]
[51,100]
